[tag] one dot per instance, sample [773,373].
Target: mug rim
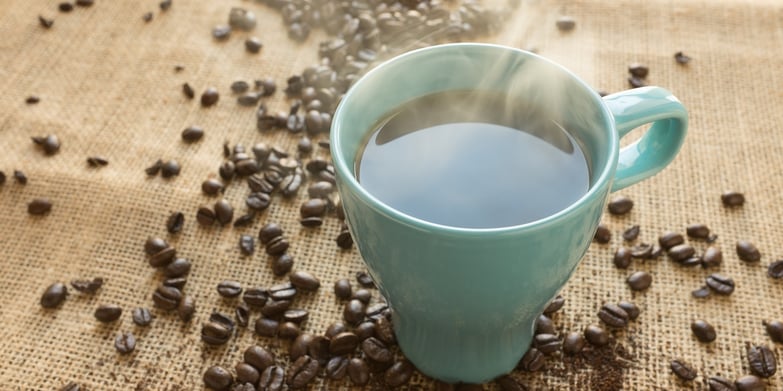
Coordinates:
[344,173]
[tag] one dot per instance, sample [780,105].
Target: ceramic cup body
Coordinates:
[464,301]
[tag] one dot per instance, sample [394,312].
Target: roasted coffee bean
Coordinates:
[224,212]
[547,343]
[39,206]
[218,378]
[170,169]
[681,252]
[747,251]
[85,3]
[258,357]
[544,325]
[45,22]
[613,316]
[701,292]
[272,379]
[636,82]
[681,58]
[50,144]
[399,373]
[302,371]
[335,328]
[344,239]
[630,308]
[188,91]
[305,146]
[175,222]
[365,330]
[718,383]
[154,169]
[565,23]
[177,268]
[555,305]
[274,308]
[178,282]
[775,269]
[253,45]
[602,234]
[698,231]
[622,258]
[304,281]
[267,85]
[288,330]
[227,170]
[242,19]
[720,284]
[125,343]
[108,313]
[639,281]
[166,297]
[631,233]
[297,316]
[318,349]
[268,232]
[596,335]
[732,199]
[147,17]
[337,367]
[87,286]
[343,343]
[321,189]
[20,177]
[358,371]
[342,289]
[620,205]
[221,32]
[141,317]
[229,289]
[192,134]
[277,246]
[163,257]
[247,245]
[54,295]
[245,219]
[284,291]
[762,361]
[683,370]
[638,70]
[508,383]
[258,184]
[642,250]
[255,297]
[186,308]
[165,5]
[311,222]
[314,207]
[282,265]
[384,331]
[573,343]
[239,86]
[775,330]
[532,361]
[214,333]
[376,350]
[97,161]
[712,257]
[362,295]
[209,97]
[703,331]
[300,345]
[246,373]
[249,99]
[258,201]
[692,261]
[364,279]
[750,383]
[32,99]
[353,312]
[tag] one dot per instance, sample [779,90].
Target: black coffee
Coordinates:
[474,160]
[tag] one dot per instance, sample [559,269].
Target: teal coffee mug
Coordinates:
[464,301]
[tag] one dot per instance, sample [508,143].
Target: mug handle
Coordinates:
[659,145]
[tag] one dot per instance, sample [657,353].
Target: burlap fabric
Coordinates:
[108,87]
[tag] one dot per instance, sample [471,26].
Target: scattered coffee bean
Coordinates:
[376,350]
[399,373]
[108,313]
[85,3]
[718,383]
[253,45]
[747,251]
[154,169]
[217,330]
[97,161]
[762,361]
[45,22]
[692,261]
[547,343]
[555,305]
[39,206]
[147,17]
[362,295]
[631,233]
[32,99]
[620,205]
[229,289]
[221,32]
[175,222]
[358,371]
[239,86]
[284,291]
[218,378]
[209,97]
[20,177]
[639,281]
[573,343]
[683,370]
[247,245]
[698,231]
[170,168]
[681,58]
[141,317]
[274,308]
[272,379]
[642,251]
[246,373]
[165,5]
[565,23]
[681,252]
[192,134]
[166,297]
[622,258]
[178,283]
[638,70]
[224,212]
[304,281]
[255,297]
[750,383]
[508,383]
[712,257]
[154,245]
[342,289]
[775,269]
[613,316]
[602,234]
[54,295]
[365,330]
[242,19]
[87,286]
[179,267]
[163,257]
[282,265]
[244,220]
[344,239]
[318,349]
[337,367]
[297,316]
[775,330]
[268,232]
[544,325]
[636,82]
[596,335]
[186,308]
[703,331]
[532,361]
[630,308]
[212,187]
[732,199]
[125,343]
[670,239]
[720,284]
[188,91]
[701,292]
[258,357]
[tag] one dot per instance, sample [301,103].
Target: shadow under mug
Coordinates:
[464,301]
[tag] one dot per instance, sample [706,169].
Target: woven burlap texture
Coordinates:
[108,87]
